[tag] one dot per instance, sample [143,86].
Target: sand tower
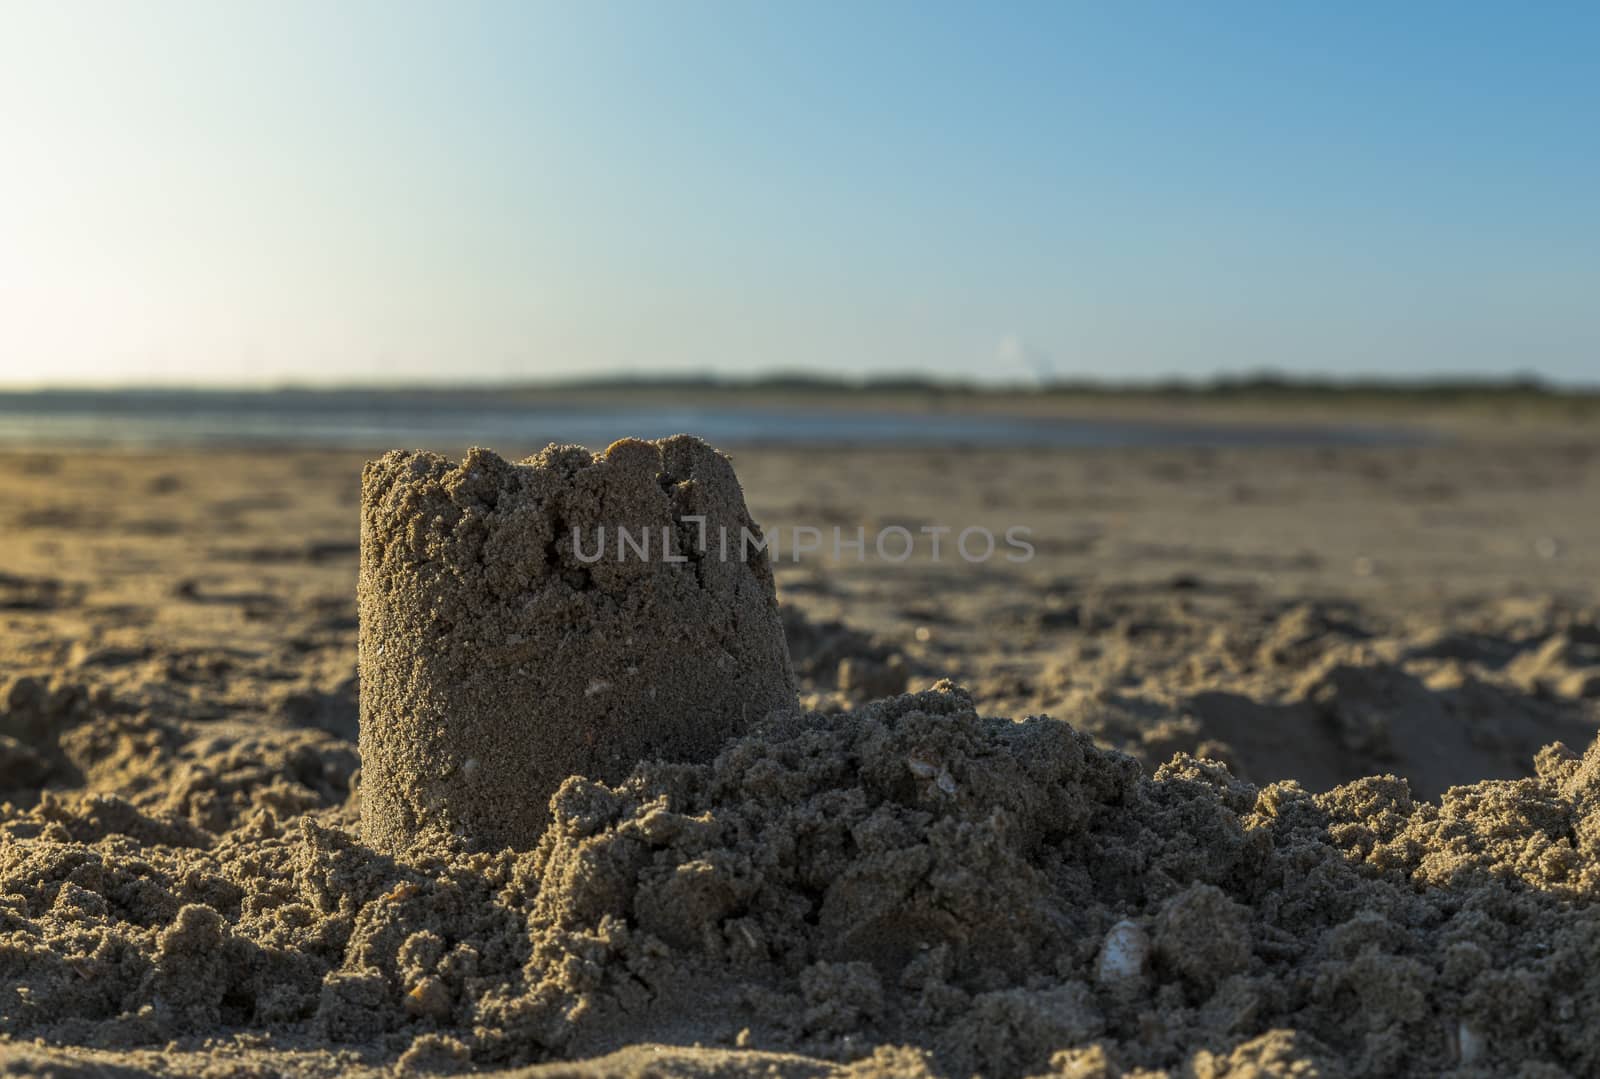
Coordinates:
[570,614]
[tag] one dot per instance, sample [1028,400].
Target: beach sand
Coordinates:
[1176,865]
[503,649]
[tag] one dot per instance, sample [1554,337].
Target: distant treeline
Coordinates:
[1255,384]
[1264,385]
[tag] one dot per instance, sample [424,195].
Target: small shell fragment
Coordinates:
[1125,955]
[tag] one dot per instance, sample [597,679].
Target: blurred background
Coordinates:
[631,206]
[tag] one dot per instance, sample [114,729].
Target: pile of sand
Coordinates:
[567,615]
[1328,690]
[909,880]
[879,883]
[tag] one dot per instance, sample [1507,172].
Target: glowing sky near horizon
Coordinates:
[290,191]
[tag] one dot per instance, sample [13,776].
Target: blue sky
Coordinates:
[366,191]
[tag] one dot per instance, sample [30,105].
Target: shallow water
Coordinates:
[367,419]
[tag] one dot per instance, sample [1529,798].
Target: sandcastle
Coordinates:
[570,614]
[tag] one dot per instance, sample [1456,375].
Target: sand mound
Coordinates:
[949,892]
[569,615]
[881,887]
[1326,691]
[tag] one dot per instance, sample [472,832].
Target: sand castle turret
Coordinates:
[570,614]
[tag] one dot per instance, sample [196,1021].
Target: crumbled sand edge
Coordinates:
[908,874]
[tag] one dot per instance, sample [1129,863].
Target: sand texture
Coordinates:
[497,658]
[1270,764]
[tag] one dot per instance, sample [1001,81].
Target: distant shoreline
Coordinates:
[383,419]
[1456,406]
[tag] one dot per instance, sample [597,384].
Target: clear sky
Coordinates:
[231,192]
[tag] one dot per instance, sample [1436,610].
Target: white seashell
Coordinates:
[946,782]
[922,769]
[1125,954]
[599,685]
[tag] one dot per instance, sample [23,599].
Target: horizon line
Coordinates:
[1254,380]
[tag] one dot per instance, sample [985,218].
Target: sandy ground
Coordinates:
[177,674]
